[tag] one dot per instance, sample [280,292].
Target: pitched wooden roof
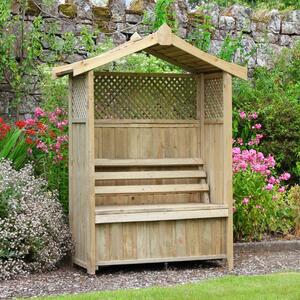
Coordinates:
[162,44]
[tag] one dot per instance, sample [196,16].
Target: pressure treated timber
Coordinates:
[121,209]
[151,183]
[148,162]
[227,137]
[160,260]
[149,189]
[150,44]
[158,241]
[161,216]
[149,175]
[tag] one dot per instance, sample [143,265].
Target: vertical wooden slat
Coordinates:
[227,152]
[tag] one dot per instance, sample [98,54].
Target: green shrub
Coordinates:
[33,233]
[258,211]
[293,196]
[274,94]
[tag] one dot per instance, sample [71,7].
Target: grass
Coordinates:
[263,287]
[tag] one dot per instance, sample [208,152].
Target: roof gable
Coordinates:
[162,44]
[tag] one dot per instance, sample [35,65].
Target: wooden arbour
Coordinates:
[150,174]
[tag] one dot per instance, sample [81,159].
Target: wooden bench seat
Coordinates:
[158,212]
[148,162]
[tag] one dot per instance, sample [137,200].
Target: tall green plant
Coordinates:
[201,35]
[14,147]
[274,94]
[163,14]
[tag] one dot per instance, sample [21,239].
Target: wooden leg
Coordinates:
[229,242]
[91,270]
[230,263]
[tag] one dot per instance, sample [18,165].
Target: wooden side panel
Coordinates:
[214,160]
[79,192]
[81,170]
[160,241]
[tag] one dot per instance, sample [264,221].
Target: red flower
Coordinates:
[52,134]
[20,124]
[29,141]
[41,126]
[4,129]
[30,132]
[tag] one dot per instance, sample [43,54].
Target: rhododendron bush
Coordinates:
[259,208]
[33,233]
[44,141]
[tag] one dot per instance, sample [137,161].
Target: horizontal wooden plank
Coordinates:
[149,175]
[141,74]
[146,125]
[121,209]
[149,162]
[145,121]
[160,260]
[150,189]
[161,216]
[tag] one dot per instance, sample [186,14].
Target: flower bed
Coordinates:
[260,205]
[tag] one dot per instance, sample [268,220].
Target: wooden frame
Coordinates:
[152,190]
[160,40]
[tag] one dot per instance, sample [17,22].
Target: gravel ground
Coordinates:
[68,280]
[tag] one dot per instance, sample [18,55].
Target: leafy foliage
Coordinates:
[293,197]
[202,34]
[13,147]
[163,14]
[274,94]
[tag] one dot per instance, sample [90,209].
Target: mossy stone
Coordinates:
[101,13]
[68,9]
[32,9]
[138,6]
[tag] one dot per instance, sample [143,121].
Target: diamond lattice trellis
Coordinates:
[79,99]
[213,104]
[126,96]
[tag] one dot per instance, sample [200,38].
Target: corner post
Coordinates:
[71,190]
[227,144]
[91,232]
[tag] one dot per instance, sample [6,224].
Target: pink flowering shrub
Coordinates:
[47,135]
[33,233]
[258,207]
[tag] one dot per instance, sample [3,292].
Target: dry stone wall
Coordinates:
[264,33]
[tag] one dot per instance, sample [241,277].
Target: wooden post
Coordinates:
[71,199]
[91,238]
[227,141]
[204,197]
[81,170]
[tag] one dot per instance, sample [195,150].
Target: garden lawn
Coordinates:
[276,286]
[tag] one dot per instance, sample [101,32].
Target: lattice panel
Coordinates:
[125,96]
[213,104]
[79,99]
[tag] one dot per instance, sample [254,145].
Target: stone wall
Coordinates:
[264,33]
